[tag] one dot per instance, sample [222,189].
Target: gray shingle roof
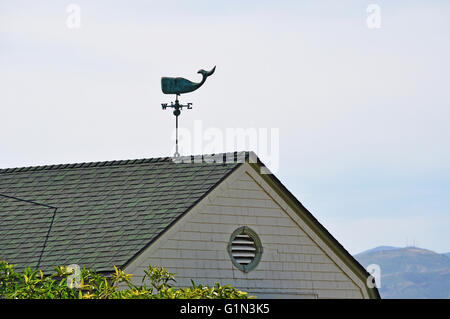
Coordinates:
[96,214]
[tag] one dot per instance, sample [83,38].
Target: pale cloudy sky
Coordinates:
[363,114]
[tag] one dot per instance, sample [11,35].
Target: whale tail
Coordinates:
[207,73]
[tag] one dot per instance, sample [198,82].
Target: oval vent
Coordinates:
[245,248]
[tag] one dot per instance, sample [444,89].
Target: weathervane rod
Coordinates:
[176,142]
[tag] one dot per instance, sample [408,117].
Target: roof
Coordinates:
[102,214]
[97,214]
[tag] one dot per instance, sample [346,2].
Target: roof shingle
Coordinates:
[96,214]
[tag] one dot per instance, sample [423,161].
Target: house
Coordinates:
[216,218]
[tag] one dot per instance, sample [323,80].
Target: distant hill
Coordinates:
[409,272]
[446,254]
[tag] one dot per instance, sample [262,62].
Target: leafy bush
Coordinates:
[33,284]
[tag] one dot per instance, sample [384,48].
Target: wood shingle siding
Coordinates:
[293,261]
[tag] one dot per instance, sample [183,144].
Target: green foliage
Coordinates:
[33,284]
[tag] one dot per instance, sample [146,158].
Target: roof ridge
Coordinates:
[243,155]
[83,164]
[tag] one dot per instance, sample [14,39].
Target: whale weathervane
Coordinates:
[179,86]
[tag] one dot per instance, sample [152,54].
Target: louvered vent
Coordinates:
[243,249]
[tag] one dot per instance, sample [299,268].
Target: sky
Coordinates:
[359,115]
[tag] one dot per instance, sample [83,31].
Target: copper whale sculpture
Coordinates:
[181,85]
